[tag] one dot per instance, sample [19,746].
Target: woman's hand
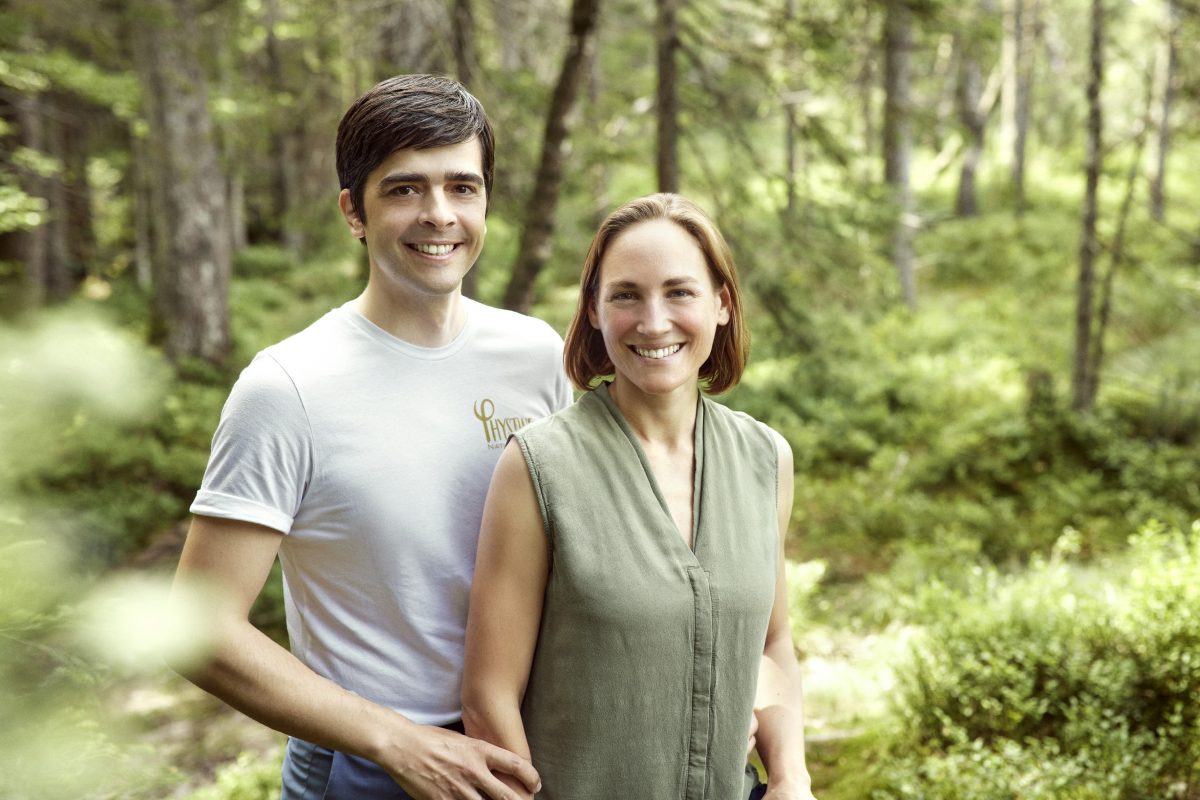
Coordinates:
[786,792]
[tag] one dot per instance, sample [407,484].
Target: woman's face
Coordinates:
[657,307]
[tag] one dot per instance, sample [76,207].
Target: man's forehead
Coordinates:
[461,158]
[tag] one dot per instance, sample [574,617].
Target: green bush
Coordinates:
[111,484]
[251,777]
[1058,683]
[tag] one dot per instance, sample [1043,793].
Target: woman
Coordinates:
[629,588]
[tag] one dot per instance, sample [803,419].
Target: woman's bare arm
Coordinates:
[511,569]
[779,704]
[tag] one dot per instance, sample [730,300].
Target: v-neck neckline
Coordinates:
[602,392]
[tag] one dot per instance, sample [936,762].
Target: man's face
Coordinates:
[424,215]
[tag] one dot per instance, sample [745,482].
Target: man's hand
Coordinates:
[753,740]
[437,764]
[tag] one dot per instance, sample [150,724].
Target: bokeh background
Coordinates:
[970,239]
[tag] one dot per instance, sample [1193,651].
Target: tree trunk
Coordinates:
[970,90]
[1025,22]
[897,140]
[600,170]
[1009,45]
[47,249]
[286,147]
[865,83]
[1082,392]
[147,205]
[191,290]
[1166,94]
[668,97]
[536,236]
[463,26]
[791,138]
[79,234]
[1116,255]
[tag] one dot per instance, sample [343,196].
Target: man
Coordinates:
[359,451]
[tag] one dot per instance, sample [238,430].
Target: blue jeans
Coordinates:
[305,771]
[311,772]
[755,787]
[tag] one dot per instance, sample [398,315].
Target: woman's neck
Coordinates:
[667,420]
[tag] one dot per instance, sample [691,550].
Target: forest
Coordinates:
[969,236]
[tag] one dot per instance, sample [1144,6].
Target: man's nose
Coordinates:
[436,210]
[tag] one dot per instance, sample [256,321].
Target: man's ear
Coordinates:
[357,228]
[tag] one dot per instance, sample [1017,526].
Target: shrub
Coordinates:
[1059,683]
[251,777]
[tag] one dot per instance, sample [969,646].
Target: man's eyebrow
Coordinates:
[402,177]
[464,177]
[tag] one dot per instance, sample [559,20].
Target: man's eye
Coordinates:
[402,191]
[465,188]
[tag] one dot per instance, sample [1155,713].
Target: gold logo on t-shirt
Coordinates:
[496,430]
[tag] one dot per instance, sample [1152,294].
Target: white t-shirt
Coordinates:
[374,457]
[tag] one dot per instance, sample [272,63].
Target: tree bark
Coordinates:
[791,137]
[970,90]
[1166,93]
[463,26]
[536,236]
[668,97]
[1026,22]
[897,141]
[34,244]
[1116,255]
[1082,386]
[54,252]
[1009,46]
[191,283]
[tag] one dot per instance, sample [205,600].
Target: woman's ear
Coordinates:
[592,316]
[725,312]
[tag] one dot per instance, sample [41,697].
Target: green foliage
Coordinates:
[924,441]
[1059,682]
[114,484]
[49,682]
[249,778]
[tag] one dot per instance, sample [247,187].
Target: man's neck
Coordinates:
[425,321]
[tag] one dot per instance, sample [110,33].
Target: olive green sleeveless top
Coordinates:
[642,683]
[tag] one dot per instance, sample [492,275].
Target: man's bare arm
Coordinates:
[229,561]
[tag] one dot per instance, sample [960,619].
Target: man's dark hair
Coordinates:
[417,111]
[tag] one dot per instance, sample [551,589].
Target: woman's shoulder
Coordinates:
[565,422]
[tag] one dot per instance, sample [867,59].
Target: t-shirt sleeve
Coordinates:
[262,453]
[563,396]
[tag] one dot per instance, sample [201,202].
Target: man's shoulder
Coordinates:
[319,342]
[513,326]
